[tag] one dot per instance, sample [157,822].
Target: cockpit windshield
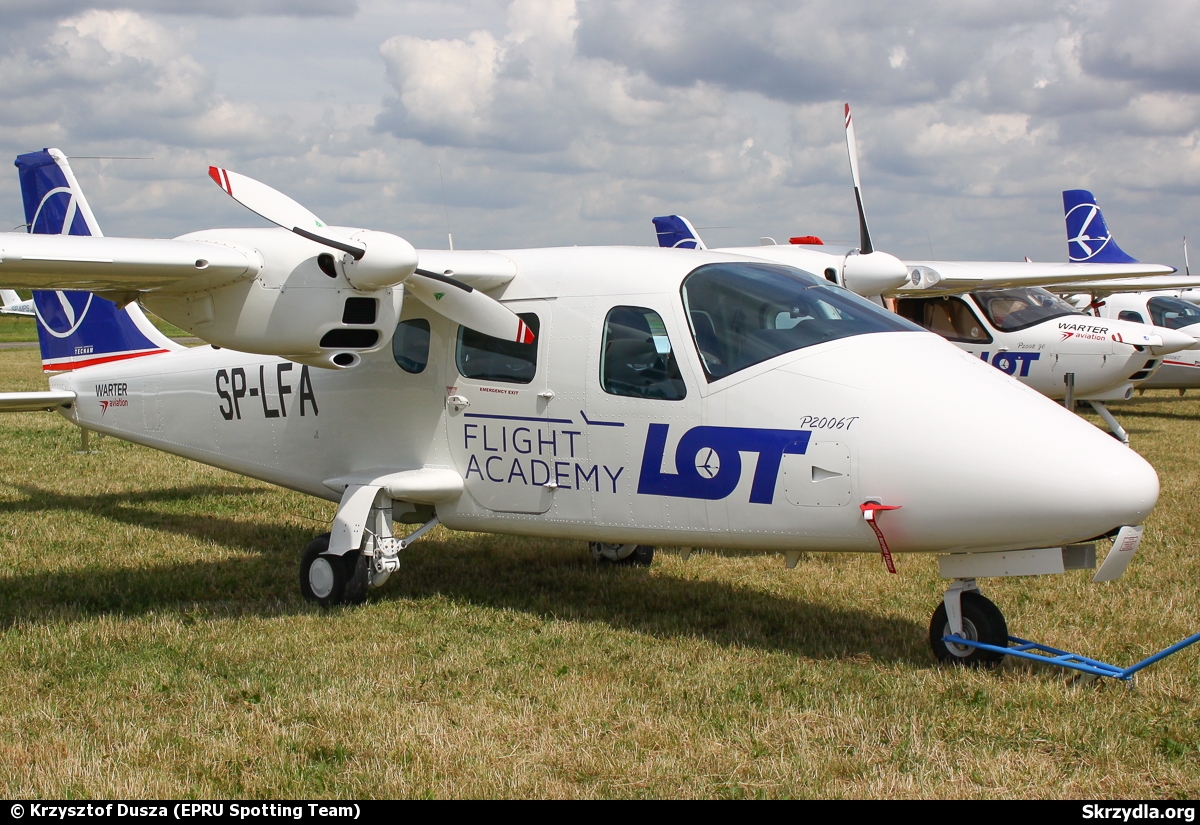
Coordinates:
[1013,309]
[1173,313]
[744,313]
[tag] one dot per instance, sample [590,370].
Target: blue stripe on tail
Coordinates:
[1088,237]
[76,329]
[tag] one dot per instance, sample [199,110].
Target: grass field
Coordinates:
[153,643]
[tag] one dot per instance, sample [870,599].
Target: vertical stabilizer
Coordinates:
[77,329]
[1088,237]
[677,232]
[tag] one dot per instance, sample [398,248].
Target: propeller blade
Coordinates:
[864,234]
[467,306]
[281,210]
[1187,268]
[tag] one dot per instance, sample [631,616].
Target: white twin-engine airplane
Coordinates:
[628,397]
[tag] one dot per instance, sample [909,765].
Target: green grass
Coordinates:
[15,328]
[153,643]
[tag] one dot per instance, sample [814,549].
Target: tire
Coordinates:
[982,622]
[358,577]
[621,555]
[322,576]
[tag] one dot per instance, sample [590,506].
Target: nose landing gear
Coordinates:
[979,620]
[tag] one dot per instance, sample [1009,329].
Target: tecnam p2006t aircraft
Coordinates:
[629,397]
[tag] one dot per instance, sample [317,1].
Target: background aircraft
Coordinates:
[686,397]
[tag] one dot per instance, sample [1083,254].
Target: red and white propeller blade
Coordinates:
[281,210]
[469,307]
[864,245]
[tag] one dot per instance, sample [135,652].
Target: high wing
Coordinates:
[1100,289]
[945,277]
[119,264]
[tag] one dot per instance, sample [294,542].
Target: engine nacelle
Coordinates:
[302,305]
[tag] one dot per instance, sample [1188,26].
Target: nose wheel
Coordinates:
[637,555]
[329,579]
[981,620]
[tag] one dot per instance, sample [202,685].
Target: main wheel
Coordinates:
[982,622]
[637,555]
[330,580]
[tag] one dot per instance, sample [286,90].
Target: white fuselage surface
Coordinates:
[778,455]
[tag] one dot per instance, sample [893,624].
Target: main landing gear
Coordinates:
[636,555]
[329,579]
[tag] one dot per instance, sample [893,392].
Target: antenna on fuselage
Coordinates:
[446,206]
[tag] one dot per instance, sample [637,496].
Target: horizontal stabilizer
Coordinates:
[35,401]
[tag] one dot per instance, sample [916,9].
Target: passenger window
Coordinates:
[485,358]
[636,358]
[949,317]
[1130,315]
[410,345]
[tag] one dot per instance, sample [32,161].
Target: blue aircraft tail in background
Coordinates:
[676,232]
[77,329]
[1088,237]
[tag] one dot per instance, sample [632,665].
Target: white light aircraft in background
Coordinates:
[628,397]
[13,305]
[1014,325]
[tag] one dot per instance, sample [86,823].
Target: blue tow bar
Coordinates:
[1034,652]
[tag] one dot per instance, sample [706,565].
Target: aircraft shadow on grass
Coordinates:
[540,577]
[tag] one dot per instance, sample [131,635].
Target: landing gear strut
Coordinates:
[979,621]
[637,555]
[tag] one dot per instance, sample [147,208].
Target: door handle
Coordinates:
[456,403]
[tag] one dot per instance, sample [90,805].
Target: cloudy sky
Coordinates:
[559,122]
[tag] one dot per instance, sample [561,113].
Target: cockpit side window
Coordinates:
[485,358]
[949,317]
[636,358]
[410,345]
[745,313]
[1009,310]
[1173,313]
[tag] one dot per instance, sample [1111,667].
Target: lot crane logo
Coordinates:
[1081,220]
[61,313]
[708,461]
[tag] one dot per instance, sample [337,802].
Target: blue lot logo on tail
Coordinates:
[1088,237]
[677,232]
[76,329]
[61,313]
[708,461]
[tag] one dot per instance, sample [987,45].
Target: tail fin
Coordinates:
[677,232]
[77,329]
[1088,237]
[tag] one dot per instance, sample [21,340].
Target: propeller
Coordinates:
[870,272]
[376,260]
[864,245]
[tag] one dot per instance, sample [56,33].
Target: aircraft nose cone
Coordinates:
[979,462]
